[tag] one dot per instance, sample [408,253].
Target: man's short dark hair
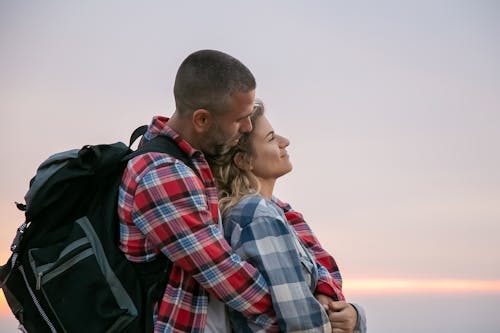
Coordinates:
[206,79]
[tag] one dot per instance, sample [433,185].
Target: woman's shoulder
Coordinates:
[253,207]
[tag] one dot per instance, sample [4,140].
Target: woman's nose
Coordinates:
[284,142]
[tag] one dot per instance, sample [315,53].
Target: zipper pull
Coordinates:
[39,280]
[19,236]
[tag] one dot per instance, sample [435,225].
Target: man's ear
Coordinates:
[202,120]
[242,161]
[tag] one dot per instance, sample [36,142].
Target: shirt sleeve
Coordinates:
[306,235]
[328,285]
[308,238]
[170,208]
[361,326]
[267,243]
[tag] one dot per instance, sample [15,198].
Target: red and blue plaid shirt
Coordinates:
[165,207]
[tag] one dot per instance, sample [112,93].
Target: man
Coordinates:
[165,207]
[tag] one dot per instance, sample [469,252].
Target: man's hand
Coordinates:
[342,316]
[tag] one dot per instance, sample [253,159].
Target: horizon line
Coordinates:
[393,286]
[437,285]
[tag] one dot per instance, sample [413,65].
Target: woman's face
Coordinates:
[270,159]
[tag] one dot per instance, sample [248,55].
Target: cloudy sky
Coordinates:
[392,109]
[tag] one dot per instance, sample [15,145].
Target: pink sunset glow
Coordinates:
[391,108]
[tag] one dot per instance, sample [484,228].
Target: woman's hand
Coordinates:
[343,316]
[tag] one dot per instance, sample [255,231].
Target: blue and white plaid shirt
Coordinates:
[258,231]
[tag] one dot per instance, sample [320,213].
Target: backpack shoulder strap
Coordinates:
[139,131]
[167,145]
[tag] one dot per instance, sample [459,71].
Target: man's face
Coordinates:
[228,127]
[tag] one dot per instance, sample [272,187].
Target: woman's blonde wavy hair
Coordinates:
[234,183]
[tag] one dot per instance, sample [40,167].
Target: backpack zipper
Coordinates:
[35,301]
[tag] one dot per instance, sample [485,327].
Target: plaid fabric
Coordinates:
[296,220]
[164,207]
[257,230]
[306,235]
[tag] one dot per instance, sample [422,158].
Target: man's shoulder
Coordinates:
[161,164]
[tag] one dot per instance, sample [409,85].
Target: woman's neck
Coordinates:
[266,187]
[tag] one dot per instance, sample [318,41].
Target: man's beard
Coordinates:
[217,150]
[219,145]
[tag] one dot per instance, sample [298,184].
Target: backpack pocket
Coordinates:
[79,285]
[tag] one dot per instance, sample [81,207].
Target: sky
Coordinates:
[392,109]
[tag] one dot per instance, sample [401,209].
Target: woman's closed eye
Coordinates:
[271,136]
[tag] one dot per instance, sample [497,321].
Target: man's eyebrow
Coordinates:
[247,115]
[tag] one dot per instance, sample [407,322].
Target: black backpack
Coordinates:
[66,272]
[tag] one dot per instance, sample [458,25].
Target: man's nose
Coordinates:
[246,126]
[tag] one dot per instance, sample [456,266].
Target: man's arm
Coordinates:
[171,210]
[327,284]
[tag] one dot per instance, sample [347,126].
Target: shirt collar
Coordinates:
[159,126]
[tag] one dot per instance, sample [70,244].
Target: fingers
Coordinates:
[342,327]
[338,305]
[338,318]
[343,318]
[324,300]
[340,330]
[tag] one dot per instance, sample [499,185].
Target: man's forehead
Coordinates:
[242,104]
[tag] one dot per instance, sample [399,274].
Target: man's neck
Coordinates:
[183,127]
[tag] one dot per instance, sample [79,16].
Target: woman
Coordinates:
[285,252]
